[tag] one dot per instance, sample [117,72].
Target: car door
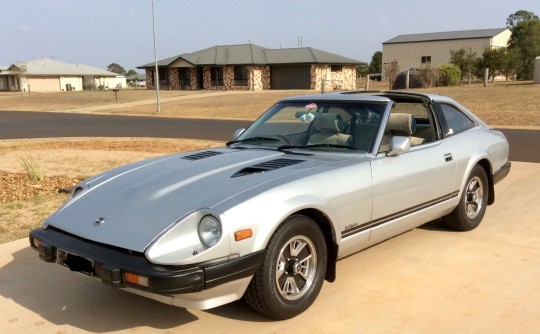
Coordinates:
[415,186]
[411,188]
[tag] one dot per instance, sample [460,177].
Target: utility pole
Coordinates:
[156,76]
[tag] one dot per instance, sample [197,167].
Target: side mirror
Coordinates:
[237,133]
[398,145]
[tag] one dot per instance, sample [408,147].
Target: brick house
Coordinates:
[252,67]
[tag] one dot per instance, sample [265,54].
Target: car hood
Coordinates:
[130,206]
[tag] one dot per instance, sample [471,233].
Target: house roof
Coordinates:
[47,66]
[251,54]
[448,35]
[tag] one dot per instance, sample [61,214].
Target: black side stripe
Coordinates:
[397,215]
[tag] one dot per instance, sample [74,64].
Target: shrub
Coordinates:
[32,166]
[429,76]
[449,75]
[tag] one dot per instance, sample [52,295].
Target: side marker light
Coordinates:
[243,234]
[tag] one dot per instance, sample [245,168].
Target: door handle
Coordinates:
[448,157]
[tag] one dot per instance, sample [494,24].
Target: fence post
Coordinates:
[366,86]
[407,76]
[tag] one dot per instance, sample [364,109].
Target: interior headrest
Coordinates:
[402,122]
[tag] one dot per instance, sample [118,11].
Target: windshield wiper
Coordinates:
[251,139]
[285,147]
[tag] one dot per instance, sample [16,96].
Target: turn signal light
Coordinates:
[136,279]
[243,234]
[35,243]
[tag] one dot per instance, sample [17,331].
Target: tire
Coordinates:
[472,204]
[293,270]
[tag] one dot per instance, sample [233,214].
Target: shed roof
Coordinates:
[251,54]
[47,66]
[448,35]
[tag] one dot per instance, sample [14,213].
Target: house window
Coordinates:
[184,75]
[336,68]
[240,76]
[216,75]
[426,59]
[164,77]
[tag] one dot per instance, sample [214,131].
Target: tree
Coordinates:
[131,72]
[375,66]
[361,70]
[391,70]
[465,59]
[510,63]
[525,41]
[492,59]
[116,68]
[518,17]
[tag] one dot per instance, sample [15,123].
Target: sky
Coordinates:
[101,32]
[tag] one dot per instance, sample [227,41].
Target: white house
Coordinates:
[49,75]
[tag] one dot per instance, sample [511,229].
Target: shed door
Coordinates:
[290,77]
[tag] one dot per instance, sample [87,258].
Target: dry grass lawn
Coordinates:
[66,160]
[499,104]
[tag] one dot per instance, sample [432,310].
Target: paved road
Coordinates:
[524,144]
[18,125]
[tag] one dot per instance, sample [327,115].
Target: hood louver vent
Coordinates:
[201,155]
[267,166]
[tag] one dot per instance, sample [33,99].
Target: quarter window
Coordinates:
[456,121]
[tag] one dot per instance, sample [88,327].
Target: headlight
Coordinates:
[76,192]
[209,231]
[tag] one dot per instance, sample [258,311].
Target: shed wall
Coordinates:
[409,55]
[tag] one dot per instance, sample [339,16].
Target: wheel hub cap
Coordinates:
[474,198]
[295,268]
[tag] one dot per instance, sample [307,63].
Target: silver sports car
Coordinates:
[314,179]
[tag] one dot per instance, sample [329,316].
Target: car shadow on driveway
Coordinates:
[65,298]
[61,297]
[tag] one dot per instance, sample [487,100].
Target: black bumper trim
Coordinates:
[110,264]
[502,172]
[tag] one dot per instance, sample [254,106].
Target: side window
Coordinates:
[419,129]
[456,121]
[424,127]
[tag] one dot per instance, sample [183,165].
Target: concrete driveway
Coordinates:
[428,280]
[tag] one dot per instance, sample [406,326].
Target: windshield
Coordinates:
[324,125]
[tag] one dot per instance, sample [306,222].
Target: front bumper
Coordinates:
[110,265]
